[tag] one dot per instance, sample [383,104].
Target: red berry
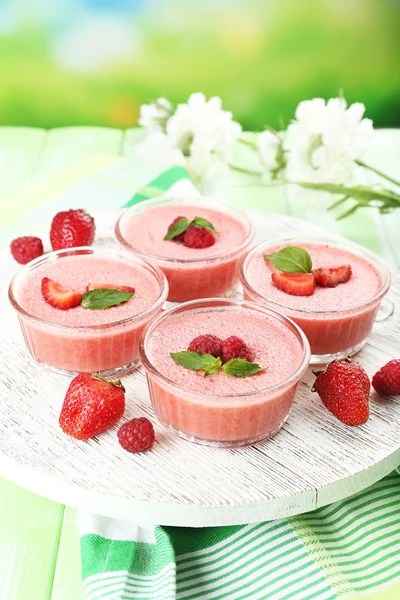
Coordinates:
[387,380]
[234,347]
[136,435]
[72,228]
[344,389]
[206,344]
[178,238]
[92,404]
[58,296]
[198,237]
[109,286]
[25,249]
[333,276]
[296,284]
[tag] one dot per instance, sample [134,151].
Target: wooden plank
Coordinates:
[67,583]
[19,152]
[68,145]
[29,532]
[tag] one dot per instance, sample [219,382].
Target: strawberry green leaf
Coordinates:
[203,224]
[238,367]
[179,227]
[195,361]
[102,298]
[114,382]
[291,260]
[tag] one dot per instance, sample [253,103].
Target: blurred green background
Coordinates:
[94,62]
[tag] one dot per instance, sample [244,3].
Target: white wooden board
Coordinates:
[313,461]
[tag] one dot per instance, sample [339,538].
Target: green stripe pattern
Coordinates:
[348,549]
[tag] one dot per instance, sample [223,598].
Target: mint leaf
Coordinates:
[179,227]
[194,360]
[203,224]
[239,367]
[104,298]
[291,260]
[214,368]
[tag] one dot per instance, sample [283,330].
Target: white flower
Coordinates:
[325,139]
[154,116]
[199,135]
[270,149]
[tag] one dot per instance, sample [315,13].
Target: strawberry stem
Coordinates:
[115,382]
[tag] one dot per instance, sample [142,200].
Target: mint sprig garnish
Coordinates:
[102,298]
[236,367]
[183,224]
[239,367]
[204,224]
[291,259]
[179,227]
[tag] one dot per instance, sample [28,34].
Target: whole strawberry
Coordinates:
[92,404]
[72,228]
[387,380]
[344,388]
[24,249]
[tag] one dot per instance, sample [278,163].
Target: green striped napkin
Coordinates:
[349,549]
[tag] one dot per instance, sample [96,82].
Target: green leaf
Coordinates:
[291,260]
[195,361]
[114,382]
[238,367]
[104,298]
[203,224]
[179,227]
[214,368]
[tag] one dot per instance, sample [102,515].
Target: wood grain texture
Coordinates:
[312,461]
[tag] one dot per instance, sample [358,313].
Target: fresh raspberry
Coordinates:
[109,286]
[387,380]
[136,435]
[344,388]
[178,238]
[92,404]
[72,228]
[25,249]
[234,347]
[198,237]
[333,276]
[206,344]
[295,284]
[58,296]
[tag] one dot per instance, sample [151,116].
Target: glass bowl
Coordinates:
[332,333]
[229,418]
[205,276]
[111,348]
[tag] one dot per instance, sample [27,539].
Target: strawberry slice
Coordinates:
[58,296]
[296,284]
[109,286]
[333,276]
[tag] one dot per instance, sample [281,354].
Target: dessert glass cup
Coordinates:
[332,334]
[190,279]
[111,349]
[215,419]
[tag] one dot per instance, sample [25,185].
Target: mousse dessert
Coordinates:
[223,372]
[331,290]
[198,244]
[83,310]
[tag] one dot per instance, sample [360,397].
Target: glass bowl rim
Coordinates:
[192,304]
[50,256]
[348,245]
[170,199]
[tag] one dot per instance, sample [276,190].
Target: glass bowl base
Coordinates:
[114,373]
[319,359]
[220,443]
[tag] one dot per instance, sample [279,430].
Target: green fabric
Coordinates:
[159,185]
